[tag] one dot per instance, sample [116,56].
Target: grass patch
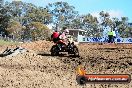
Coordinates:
[2,42]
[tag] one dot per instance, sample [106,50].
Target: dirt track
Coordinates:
[30,70]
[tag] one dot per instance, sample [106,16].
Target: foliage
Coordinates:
[14,29]
[27,21]
[4,19]
[62,13]
[36,31]
[26,12]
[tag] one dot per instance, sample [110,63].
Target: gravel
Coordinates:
[37,69]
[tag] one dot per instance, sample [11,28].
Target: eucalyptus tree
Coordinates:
[91,24]
[36,31]
[27,12]
[105,18]
[123,27]
[77,23]
[62,13]
[22,13]
[4,20]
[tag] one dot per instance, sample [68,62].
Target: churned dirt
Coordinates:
[37,69]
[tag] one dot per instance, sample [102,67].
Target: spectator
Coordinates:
[114,35]
[110,36]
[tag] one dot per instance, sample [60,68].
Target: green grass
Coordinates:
[2,42]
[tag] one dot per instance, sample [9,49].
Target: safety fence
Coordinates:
[10,39]
[105,39]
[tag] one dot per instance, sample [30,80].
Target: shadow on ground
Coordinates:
[60,55]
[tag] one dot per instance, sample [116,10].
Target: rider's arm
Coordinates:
[60,36]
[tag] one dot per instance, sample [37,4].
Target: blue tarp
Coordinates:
[105,39]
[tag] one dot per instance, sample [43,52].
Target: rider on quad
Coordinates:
[63,38]
[63,43]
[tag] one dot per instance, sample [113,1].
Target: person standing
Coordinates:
[114,36]
[110,36]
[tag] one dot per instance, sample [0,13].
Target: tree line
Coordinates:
[26,21]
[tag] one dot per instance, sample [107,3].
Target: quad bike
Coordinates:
[71,48]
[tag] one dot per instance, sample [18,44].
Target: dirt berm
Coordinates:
[37,69]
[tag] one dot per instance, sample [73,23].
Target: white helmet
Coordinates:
[66,31]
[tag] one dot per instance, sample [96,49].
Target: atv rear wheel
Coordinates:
[76,51]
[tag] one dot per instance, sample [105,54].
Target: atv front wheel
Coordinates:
[54,51]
